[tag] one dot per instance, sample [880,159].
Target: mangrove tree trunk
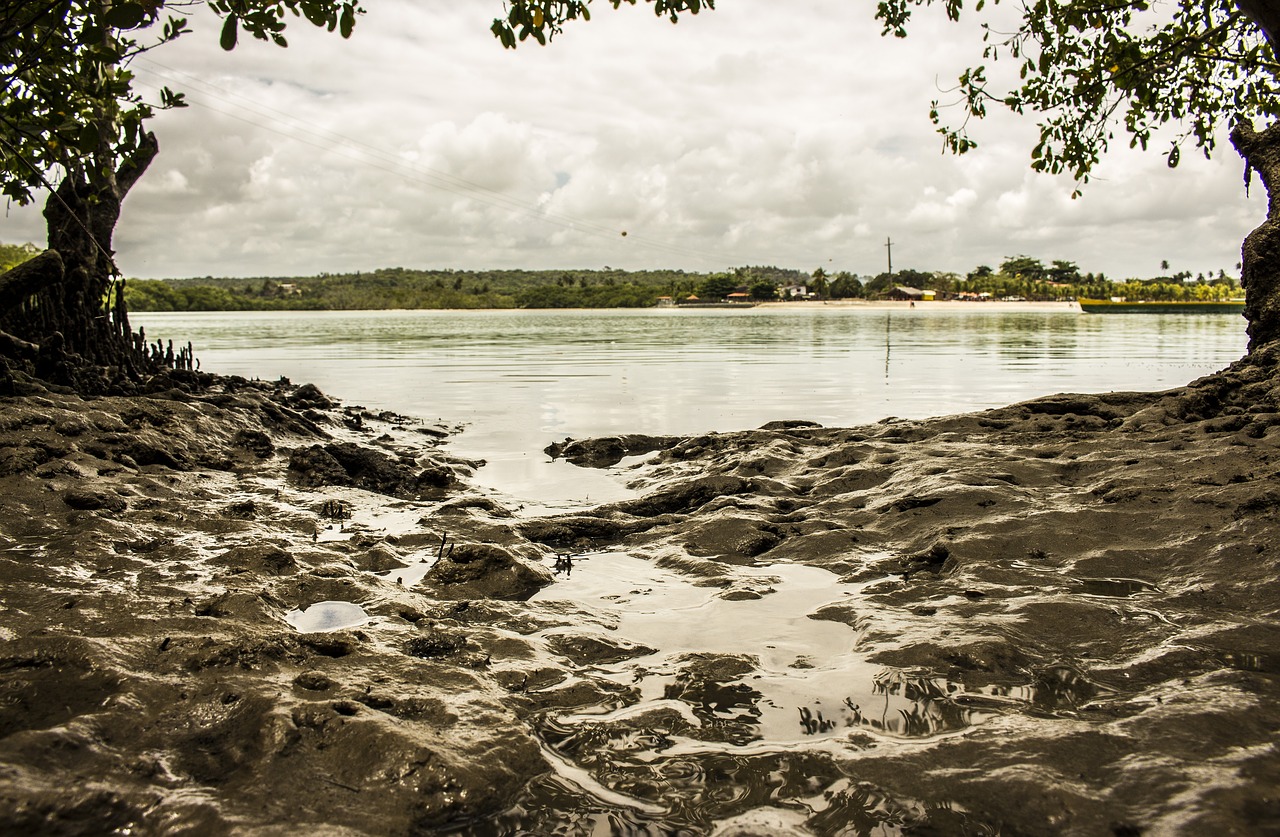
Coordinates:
[1260,254]
[83,312]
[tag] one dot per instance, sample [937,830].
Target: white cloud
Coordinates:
[762,132]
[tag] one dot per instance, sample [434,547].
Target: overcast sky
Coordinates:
[762,133]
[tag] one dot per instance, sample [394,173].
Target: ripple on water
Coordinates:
[327,616]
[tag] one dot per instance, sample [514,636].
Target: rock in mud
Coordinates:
[309,397]
[350,464]
[732,538]
[435,643]
[95,501]
[256,442]
[577,531]
[684,497]
[486,571]
[380,559]
[266,558]
[607,451]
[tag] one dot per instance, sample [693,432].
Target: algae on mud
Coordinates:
[1059,617]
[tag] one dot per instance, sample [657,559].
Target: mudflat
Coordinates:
[230,606]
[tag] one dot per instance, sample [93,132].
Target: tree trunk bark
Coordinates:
[1260,273]
[1265,13]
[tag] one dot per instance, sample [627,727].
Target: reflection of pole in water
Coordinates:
[887,317]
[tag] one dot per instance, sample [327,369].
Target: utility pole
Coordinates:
[888,244]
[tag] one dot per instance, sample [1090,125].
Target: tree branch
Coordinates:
[134,167]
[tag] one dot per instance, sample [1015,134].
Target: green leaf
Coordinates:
[347,22]
[125,16]
[315,14]
[230,33]
[88,139]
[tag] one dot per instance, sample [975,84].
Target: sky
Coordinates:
[763,133]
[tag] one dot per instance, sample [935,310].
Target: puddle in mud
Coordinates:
[410,575]
[749,670]
[532,484]
[327,616]
[747,705]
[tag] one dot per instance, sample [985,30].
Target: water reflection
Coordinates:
[1061,687]
[727,709]
[812,722]
[692,776]
[913,706]
[523,379]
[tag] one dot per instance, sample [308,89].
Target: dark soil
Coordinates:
[1110,558]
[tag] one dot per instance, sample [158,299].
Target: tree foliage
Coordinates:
[718,286]
[763,291]
[1090,68]
[544,19]
[1023,267]
[398,287]
[845,286]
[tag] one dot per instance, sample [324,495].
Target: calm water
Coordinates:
[519,380]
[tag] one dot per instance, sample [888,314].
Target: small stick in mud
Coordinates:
[338,784]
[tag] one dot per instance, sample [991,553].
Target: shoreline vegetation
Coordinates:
[1022,280]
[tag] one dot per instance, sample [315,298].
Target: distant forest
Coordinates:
[1017,277]
[399,287]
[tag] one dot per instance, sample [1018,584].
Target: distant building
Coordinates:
[905,294]
[795,292]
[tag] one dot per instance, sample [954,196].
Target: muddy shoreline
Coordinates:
[1069,608]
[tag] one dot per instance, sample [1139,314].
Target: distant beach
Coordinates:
[935,305]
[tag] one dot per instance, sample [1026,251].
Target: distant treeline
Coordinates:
[403,288]
[1017,277]
[399,287]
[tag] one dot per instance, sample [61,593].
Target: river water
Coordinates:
[518,380]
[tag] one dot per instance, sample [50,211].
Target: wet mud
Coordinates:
[241,608]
